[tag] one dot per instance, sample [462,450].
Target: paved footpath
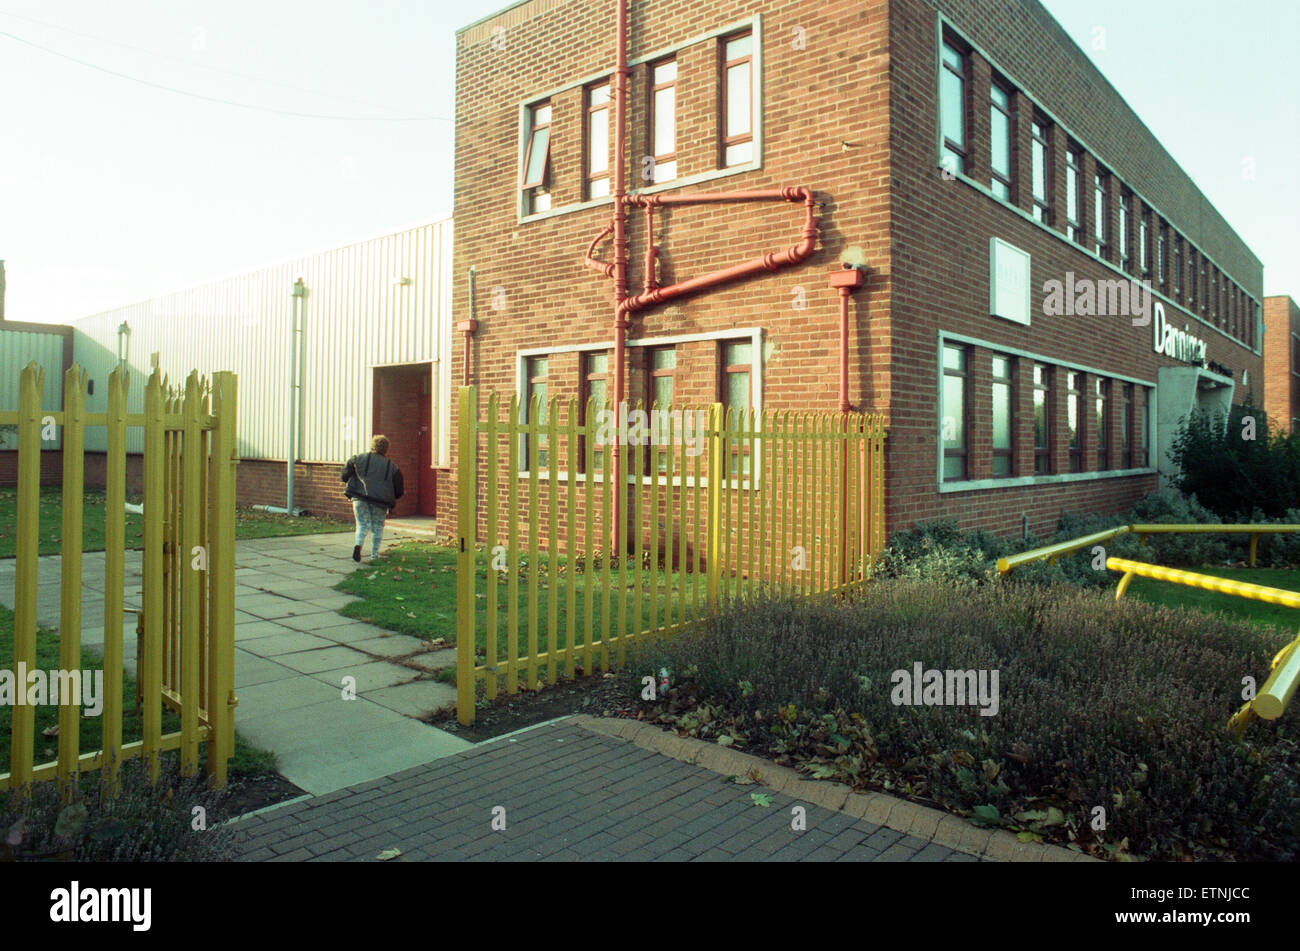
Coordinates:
[292,651]
[566,794]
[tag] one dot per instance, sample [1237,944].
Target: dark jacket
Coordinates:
[373,478]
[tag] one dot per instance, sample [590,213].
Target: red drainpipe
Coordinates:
[653,294]
[846,281]
[619,229]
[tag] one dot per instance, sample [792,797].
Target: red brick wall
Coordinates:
[1281,389]
[851,114]
[839,81]
[947,289]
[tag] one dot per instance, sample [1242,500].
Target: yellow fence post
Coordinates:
[74,478]
[492,652]
[189,559]
[221,577]
[23,719]
[466,517]
[716,468]
[114,571]
[155,501]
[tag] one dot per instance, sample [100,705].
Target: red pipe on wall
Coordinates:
[653,294]
[619,229]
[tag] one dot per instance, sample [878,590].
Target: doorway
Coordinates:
[403,411]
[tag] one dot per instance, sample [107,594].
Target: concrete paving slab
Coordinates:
[373,676]
[435,660]
[417,699]
[317,622]
[326,658]
[255,629]
[281,698]
[289,642]
[251,670]
[393,645]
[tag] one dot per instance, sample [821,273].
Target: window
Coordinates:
[1147,426]
[1144,258]
[1214,296]
[1204,286]
[952,108]
[1178,267]
[954,414]
[1000,131]
[1101,213]
[737,389]
[663,120]
[1162,256]
[1125,211]
[661,368]
[1126,427]
[738,100]
[598,141]
[1072,201]
[537,160]
[535,369]
[1042,420]
[595,387]
[1103,424]
[1042,161]
[1004,416]
[1073,421]
[1191,279]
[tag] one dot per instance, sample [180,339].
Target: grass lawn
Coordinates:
[247,760]
[1167,594]
[248,523]
[411,588]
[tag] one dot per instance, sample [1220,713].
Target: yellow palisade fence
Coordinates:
[718,506]
[186,652]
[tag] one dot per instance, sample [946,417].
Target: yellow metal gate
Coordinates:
[186,653]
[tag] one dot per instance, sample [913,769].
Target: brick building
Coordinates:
[1282,361]
[999,194]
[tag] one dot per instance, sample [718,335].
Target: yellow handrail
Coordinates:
[1280,688]
[1242,589]
[1052,552]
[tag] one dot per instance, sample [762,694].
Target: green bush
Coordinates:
[143,823]
[1232,475]
[1121,706]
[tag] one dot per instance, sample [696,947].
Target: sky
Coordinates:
[302,125]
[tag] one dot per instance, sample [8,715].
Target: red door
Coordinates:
[403,411]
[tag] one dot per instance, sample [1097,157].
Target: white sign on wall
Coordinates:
[1008,281]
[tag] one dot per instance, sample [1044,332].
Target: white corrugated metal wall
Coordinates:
[17,349]
[357,315]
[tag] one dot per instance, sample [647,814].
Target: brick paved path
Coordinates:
[568,794]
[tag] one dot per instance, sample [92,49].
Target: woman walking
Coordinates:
[374,485]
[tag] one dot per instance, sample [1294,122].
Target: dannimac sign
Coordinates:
[1175,343]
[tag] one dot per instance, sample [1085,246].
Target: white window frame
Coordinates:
[756,337]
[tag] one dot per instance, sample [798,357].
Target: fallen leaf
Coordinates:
[760,799]
[387,854]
